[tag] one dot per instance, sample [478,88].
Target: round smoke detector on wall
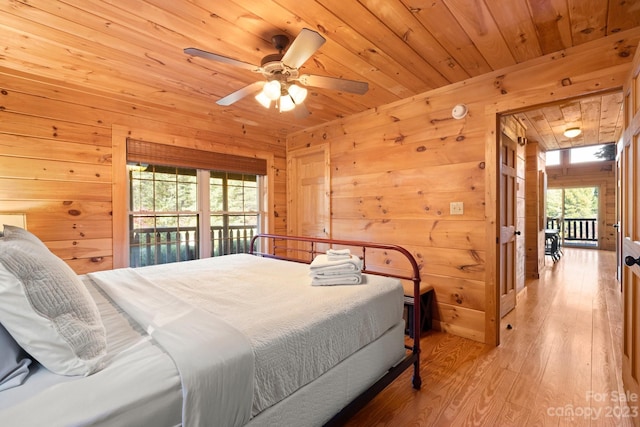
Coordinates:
[459,111]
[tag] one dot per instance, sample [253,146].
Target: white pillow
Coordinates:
[11,232]
[47,309]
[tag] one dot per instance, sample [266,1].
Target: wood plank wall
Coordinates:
[396,168]
[56,159]
[535,220]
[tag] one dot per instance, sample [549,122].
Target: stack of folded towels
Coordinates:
[336,267]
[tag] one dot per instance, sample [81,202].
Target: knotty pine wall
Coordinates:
[396,168]
[535,216]
[56,151]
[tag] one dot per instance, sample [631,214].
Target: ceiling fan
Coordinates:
[281,74]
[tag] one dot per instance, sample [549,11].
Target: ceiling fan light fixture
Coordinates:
[298,94]
[272,90]
[263,100]
[286,103]
[280,71]
[572,132]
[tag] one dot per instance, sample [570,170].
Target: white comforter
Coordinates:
[214,360]
[297,331]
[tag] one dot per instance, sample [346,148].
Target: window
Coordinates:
[593,153]
[587,154]
[172,220]
[187,209]
[234,212]
[553,158]
[163,223]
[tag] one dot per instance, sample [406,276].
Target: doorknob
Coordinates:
[517,232]
[629,260]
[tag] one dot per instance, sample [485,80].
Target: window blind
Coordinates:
[169,155]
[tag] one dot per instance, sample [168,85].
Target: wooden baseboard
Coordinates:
[521,294]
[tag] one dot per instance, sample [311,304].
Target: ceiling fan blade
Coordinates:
[241,93]
[343,85]
[307,42]
[301,112]
[208,55]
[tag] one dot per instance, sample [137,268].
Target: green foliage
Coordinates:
[164,189]
[554,203]
[578,202]
[606,152]
[581,202]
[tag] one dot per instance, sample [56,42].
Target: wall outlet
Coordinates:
[456,208]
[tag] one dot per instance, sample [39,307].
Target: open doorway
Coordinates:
[599,117]
[574,213]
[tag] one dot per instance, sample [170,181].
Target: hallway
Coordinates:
[558,364]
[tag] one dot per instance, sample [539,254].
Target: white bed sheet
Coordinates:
[139,385]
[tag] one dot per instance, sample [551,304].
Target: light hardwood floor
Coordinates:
[558,365]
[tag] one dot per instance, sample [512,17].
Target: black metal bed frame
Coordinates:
[282,247]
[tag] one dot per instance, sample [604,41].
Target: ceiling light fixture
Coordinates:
[572,132]
[272,90]
[286,103]
[287,95]
[298,94]
[280,70]
[263,100]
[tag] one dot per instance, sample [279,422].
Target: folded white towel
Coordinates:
[338,254]
[344,279]
[321,265]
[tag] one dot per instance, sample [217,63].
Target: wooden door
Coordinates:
[630,223]
[308,192]
[618,223]
[508,218]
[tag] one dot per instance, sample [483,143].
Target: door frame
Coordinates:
[629,156]
[492,115]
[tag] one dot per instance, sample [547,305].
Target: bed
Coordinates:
[236,340]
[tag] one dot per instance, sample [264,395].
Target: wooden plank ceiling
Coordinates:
[133,50]
[600,118]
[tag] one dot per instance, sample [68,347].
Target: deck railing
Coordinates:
[575,229]
[235,239]
[162,245]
